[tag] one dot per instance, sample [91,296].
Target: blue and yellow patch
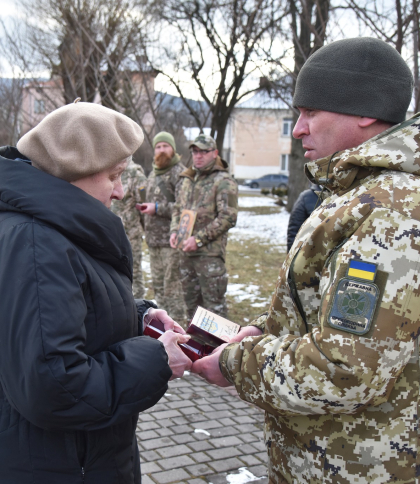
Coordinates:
[362,270]
[355,299]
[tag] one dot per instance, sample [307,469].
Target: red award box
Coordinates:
[207,330]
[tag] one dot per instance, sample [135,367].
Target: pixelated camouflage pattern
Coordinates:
[214,198]
[164,266]
[134,184]
[157,227]
[204,283]
[341,407]
[204,142]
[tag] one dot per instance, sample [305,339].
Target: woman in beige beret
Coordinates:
[74,368]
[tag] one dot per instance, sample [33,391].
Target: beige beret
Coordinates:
[81,139]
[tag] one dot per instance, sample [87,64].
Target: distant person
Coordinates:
[162,186]
[306,203]
[75,368]
[133,181]
[209,191]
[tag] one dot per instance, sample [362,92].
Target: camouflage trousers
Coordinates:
[164,266]
[204,283]
[138,283]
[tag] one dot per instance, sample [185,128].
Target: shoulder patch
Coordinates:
[353,305]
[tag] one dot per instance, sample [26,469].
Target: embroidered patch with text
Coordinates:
[354,305]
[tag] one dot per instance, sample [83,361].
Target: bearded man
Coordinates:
[161,191]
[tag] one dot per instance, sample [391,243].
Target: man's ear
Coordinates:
[365,122]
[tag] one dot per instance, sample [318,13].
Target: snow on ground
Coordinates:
[244,476]
[270,228]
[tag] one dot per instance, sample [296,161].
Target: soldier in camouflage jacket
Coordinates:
[162,188]
[212,194]
[134,183]
[337,366]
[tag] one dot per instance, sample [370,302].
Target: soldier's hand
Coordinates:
[178,361]
[244,332]
[149,208]
[190,245]
[162,316]
[208,368]
[172,240]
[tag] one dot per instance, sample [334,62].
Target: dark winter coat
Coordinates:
[74,372]
[303,207]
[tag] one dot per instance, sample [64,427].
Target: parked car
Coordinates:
[269,181]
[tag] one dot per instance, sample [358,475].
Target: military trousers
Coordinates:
[204,283]
[164,266]
[138,282]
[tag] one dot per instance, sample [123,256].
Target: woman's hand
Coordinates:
[178,361]
[162,316]
[149,208]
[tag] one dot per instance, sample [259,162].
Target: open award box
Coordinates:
[207,330]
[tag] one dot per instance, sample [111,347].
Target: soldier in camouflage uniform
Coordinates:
[209,191]
[162,187]
[134,183]
[336,366]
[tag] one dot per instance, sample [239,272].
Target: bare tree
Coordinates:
[10,104]
[215,48]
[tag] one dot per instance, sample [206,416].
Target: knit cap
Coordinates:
[164,137]
[81,139]
[361,76]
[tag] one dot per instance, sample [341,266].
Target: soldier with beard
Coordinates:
[162,186]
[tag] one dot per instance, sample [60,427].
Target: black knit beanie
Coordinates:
[361,76]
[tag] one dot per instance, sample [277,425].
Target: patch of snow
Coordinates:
[260,304]
[242,291]
[243,477]
[248,202]
[201,431]
[270,228]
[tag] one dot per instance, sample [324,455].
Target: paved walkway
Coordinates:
[201,434]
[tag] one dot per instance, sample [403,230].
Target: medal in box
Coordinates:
[207,330]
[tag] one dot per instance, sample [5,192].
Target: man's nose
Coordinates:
[301,128]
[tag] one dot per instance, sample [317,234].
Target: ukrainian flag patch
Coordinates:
[358,269]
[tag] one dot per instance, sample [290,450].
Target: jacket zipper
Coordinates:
[83,474]
[294,293]
[333,259]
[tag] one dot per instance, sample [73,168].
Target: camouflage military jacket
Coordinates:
[162,190]
[214,198]
[134,182]
[337,368]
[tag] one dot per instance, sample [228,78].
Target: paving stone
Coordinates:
[166,414]
[258,471]
[199,470]
[197,481]
[200,457]
[146,480]
[226,442]
[250,460]
[150,434]
[149,467]
[174,475]
[225,431]
[165,432]
[216,479]
[184,438]
[148,426]
[224,453]
[146,417]
[157,443]
[262,456]
[175,462]
[198,446]
[245,419]
[148,455]
[226,464]
[173,451]
[209,424]
[259,445]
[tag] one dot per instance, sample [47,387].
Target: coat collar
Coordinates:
[220,165]
[72,212]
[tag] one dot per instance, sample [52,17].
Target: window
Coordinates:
[39,106]
[287,126]
[284,165]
